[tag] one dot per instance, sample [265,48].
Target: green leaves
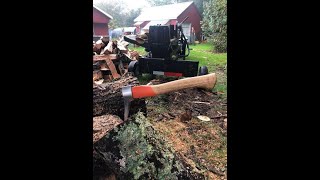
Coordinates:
[214,23]
[122,17]
[145,152]
[160,2]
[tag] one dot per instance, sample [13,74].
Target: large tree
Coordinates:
[122,17]
[131,15]
[198,3]
[214,23]
[160,2]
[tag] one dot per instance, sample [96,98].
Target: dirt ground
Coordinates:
[202,143]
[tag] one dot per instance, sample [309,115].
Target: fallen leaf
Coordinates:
[99,82]
[203,118]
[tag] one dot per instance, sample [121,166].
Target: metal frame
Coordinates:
[155,65]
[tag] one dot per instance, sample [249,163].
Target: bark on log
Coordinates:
[107,98]
[103,124]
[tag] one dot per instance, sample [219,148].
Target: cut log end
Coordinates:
[107,98]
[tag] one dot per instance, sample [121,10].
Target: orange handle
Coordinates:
[206,82]
[142,91]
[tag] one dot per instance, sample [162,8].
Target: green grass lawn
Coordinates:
[216,62]
[203,53]
[139,49]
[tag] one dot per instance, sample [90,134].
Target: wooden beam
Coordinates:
[105,57]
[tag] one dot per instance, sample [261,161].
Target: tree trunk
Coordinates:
[107,98]
[135,150]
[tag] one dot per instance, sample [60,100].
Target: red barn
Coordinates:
[100,22]
[171,14]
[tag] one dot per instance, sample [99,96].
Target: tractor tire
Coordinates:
[203,70]
[134,67]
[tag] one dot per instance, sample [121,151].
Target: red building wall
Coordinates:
[99,17]
[100,23]
[100,29]
[172,22]
[194,18]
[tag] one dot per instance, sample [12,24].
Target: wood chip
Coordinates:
[198,102]
[203,118]
[99,82]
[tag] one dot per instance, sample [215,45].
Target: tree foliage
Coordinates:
[145,153]
[130,16]
[214,23]
[198,3]
[160,2]
[122,17]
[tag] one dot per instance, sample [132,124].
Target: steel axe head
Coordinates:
[127,98]
[126,92]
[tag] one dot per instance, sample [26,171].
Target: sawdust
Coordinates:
[171,129]
[203,145]
[199,102]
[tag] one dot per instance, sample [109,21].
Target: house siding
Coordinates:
[100,29]
[100,23]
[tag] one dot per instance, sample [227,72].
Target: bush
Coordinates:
[214,23]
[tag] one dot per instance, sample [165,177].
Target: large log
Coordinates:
[107,98]
[134,150]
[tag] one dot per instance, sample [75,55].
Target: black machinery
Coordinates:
[166,46]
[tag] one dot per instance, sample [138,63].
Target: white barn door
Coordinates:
[186,28]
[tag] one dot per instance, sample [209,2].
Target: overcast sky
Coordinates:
[132,4]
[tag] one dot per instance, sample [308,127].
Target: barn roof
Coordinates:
[125,29]
[158,22]
[171,11]
[103,12]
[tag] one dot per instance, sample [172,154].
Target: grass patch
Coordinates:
[145,79]
[204,54]
[140,49]
[216,62]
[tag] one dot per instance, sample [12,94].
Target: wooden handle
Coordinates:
[206,82]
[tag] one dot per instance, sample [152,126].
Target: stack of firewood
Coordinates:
[111,59]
